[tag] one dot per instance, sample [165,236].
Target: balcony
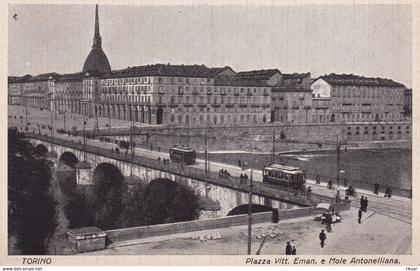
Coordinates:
[172,105]
[195,92]
[243,105]
[188,105]
[161,104]
[266,105]
[230,105]
[236,93]
[215,105]
[208,92]
[249,93]
[255,105]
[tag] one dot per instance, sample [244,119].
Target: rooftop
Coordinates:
[257,74]
[169,70]
[356,80]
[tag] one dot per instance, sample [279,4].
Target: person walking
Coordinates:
[387,192]
[288,249]
[376,189]
[359,214]
[322,237]
[308,193]
[337,197]
[362,200]
[365,204]
[294,250]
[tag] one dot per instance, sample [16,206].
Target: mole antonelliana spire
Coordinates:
[96,61]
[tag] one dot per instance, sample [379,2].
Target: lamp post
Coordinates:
[250,215]
[64,121]
[273,151]
[338,160]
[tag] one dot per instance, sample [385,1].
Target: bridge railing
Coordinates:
[232,182]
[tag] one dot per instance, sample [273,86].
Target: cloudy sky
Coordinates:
[370,40]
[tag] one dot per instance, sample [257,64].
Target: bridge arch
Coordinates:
[107,195]
[243,209]
[66,173]
[68,158]
[107,174]
[41,150]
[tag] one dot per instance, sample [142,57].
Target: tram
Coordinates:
[285,176]
[184,155]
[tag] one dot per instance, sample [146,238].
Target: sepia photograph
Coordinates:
[210,129]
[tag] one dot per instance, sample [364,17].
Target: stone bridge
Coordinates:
[91,162]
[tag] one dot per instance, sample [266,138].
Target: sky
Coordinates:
[369,40]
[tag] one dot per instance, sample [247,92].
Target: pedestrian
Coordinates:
[359,214]
[376,189]
[365,205]
[318,179]
[322,237]
[294,250]
[329,184]
[288,249]
[328,221]
[387,192]
[241,178]
[239,163]
[308,193]
[362,201]
[337,197]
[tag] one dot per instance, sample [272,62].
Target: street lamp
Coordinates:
[338,160]
[250,214]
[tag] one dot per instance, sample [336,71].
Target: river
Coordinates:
[362,167]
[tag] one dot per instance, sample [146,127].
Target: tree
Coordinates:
[166,201]
[132,200]
[78,211]
[32,217]
[108,192]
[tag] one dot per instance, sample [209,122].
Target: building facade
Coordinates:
[291,99]
[354,98]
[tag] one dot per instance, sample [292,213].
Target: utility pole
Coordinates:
[109,118]
[250,215]
[338,160]
[188,132]
[131,145]
[84,137]
[205,154]
[97,121]
[26,115]
[273,151]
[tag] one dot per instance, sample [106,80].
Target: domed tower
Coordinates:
[96,61]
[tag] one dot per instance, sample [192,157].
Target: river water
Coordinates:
[362,168]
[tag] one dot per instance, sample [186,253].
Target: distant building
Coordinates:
[354,98]
[182,95]
[408,102]
[291,99]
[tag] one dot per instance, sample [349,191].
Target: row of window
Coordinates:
[366,92]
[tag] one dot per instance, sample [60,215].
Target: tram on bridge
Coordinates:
[284,176]
[184,155]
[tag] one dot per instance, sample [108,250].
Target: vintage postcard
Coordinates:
[210,133]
